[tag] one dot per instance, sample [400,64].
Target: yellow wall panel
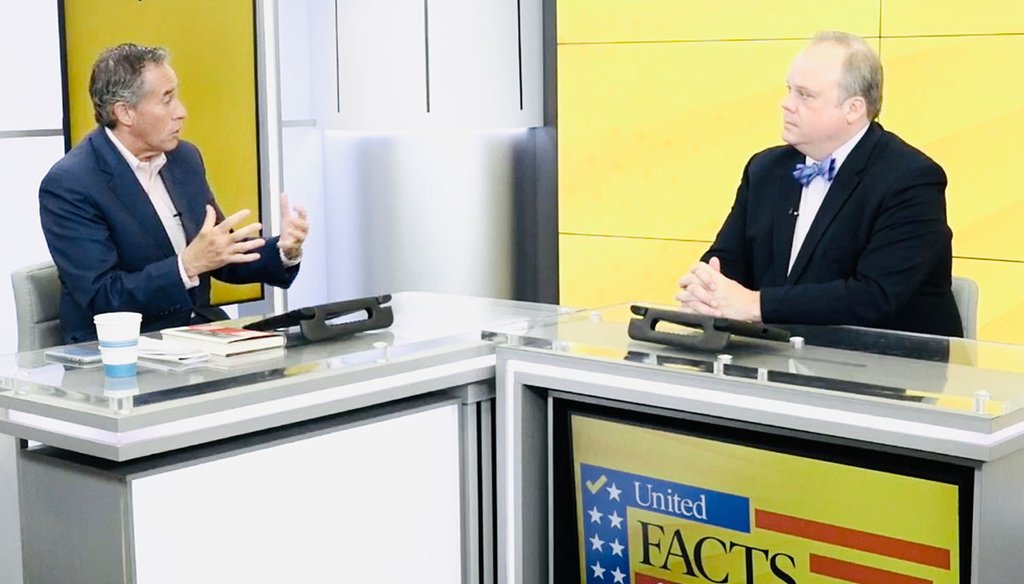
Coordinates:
[1000,300]
[653,137]
[598,271]
[952,97]
[931,17]
[212,48]
[632,20]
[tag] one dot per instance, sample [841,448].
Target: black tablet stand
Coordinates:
[715,334]
[314,321]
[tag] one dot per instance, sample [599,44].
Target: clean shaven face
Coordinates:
[156,121]
[814,120]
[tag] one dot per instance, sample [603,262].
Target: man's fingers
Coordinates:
[250,230]
[687,309]
[294,235]
[715,264]
[298,237]
[300,223]
[701,308]
[297,229]
[705,275]
[692,306]
[229,222]
[210,220]
[697,293]
[286,207]
[691,278]
[701,294]
[243,258]
[246,246]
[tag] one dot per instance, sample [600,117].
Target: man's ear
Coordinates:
[124,113]
[855,108]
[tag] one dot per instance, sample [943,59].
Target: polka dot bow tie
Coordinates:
[805,173]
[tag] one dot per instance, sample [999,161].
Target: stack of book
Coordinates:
[174,352]
[223,341]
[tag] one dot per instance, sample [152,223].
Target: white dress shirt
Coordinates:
[813,195]
[148,173]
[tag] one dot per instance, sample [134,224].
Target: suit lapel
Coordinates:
[125,186]
[177,187]
[782,218]
[845,183]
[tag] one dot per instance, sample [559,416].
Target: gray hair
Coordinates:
[862,70]
[117,76]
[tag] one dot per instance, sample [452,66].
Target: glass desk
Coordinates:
[168,406]
[958,383]
[290,467]
[843,433]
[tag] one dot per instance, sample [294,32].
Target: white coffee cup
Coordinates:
[118,333]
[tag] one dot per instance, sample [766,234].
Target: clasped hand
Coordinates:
[705,290]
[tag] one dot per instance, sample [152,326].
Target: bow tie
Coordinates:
[805,173]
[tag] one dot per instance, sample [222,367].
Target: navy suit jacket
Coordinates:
[878,253]
[111,250]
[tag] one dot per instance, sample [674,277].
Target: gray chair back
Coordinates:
[37,303]
[965,292]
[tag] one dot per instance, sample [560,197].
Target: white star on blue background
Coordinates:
[606,556]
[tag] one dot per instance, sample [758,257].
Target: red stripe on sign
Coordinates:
[850,572]
[892,547]
[639,578]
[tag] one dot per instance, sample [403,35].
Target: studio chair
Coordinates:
[37,302]
[965,292]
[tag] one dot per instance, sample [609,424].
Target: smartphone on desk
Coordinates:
[74,355]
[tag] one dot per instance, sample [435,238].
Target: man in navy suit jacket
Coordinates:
[129,217]
[846,224]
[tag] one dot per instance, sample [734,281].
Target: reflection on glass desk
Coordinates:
[971,378]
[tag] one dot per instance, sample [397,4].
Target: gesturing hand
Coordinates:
[293,229]
[217,245]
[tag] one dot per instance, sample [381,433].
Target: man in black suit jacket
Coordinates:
[129,216]
[846,224]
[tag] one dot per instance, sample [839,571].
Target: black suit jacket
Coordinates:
[111,250]
[878,253]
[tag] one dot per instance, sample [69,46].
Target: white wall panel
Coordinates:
[29,66]
[25,162]
[415,200]
[400,65]
[379,63]
[302,149]
[31,100]
[428,211]
[474,57]
[441,214]
[295,60]
[345,197]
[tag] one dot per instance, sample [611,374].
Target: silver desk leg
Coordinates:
[10,519]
